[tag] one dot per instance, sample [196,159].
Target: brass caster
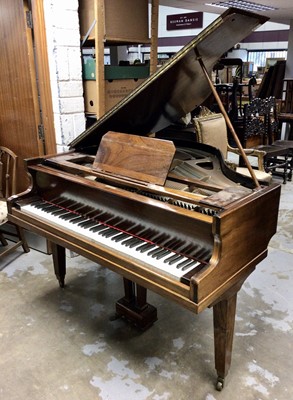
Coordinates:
[220,384]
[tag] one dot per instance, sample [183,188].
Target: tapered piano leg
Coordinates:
[59,261]
[134,307]
[224,319]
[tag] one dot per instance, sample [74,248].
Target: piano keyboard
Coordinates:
[157,257]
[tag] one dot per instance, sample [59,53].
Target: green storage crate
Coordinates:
[115,72]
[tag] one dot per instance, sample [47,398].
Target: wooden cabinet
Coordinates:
[109,23]
[26,115]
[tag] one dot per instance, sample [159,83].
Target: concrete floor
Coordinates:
[61,344]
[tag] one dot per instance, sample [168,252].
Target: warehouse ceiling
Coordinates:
[282,10]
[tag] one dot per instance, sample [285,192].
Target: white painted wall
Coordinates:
[63,37]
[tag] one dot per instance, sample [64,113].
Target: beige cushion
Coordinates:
[3,212]
[260,175]
[212,130]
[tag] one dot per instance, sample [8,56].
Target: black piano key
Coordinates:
[142,245]
[59,212]
[162,254]
[74,206]
[176,244]
[88,223]
[109,232]
[153,252]
[192,262]
[129,241]
[149,234]
[156,252]
[106,230]
[113,221]
[105,216]
[176,259]
[78,219]
[68,216]
[183,263]
[136,229]
[125,225]
[85,209]
[98,228]
[145,247]
[91,214]
[202,254]
[136,243]
[40,204]
[120,237]
[60,201]
[171,258]
[34,203]
[161,238]
[113,233]
[51,208]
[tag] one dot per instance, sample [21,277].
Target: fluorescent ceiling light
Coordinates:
[244,5]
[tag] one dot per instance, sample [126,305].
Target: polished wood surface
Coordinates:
[44,86]
[232,251]
[216,218]
[135,157]
[19,97]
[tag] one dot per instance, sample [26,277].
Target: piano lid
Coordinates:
[178,87]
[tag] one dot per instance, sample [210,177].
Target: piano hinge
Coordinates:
[41,132]
[29,19]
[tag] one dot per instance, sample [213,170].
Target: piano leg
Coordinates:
[134,307]
[59,261]
[224,319]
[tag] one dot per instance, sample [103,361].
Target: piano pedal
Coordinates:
[142,318]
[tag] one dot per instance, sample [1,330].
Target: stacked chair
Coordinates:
[259,129]
[8,161]
[211,129]
[286,116]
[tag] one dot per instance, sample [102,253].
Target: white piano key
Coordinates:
[144,251]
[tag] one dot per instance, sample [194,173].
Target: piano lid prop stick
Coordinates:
[227,119]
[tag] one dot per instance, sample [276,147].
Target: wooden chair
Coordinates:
[259,131]
[211,129]
[283,113]
[8,188]
[286,112]
[278,159]
[251,128]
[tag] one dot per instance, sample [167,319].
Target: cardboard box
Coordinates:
[86,16]
[115,91]
[125,20]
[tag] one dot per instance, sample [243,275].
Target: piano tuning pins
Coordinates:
[179,203]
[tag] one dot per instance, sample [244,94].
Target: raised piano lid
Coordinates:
[178,87]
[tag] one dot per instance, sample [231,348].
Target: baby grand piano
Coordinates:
[168,216]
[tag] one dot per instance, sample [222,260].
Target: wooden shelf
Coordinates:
[115,23]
